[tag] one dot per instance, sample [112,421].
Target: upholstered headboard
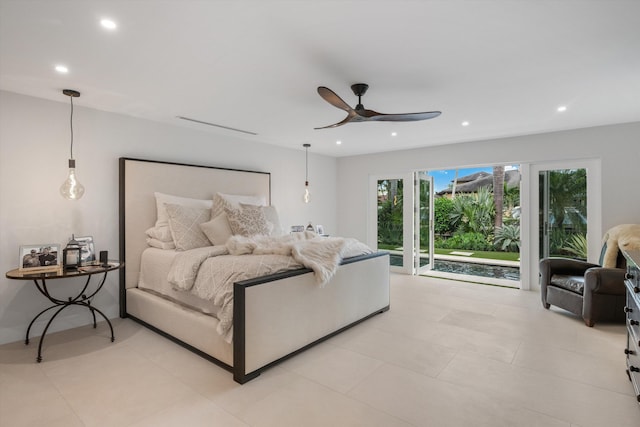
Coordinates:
[139,179]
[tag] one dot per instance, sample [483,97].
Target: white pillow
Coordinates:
[162,199]
[155,243]
[223,201]
[184,222]
[217,230]
[162,234]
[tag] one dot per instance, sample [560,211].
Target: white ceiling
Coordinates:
[504,66]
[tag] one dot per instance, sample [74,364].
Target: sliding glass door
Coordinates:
[565,213]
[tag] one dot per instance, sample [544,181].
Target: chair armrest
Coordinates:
[602,280]
[573,267]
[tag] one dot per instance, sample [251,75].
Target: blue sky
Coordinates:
[442,178]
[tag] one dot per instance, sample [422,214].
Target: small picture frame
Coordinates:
[87,250]
[40,258]
[297,228]
[319,229]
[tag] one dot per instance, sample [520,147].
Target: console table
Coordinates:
[632,309]
[82,298]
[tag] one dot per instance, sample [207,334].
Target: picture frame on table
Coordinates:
[320,229]
[40,258]
[87,250]
[297,228]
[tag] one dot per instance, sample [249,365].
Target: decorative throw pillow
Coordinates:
[249,220]
[163,199]
[217,230]
[223,201]
[184,223]
[271,215]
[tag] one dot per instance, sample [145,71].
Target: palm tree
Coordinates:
[498,194]
[455,182]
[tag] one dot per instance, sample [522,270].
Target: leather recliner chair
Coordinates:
[588,290]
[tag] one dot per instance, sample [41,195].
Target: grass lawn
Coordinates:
[503,256]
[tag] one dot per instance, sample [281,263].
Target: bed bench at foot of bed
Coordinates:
[275,319]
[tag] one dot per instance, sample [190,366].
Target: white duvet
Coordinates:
[209,275]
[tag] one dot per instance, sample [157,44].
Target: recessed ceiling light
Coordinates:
[562,109]
[465,123]
[338,142]
[108,24]
[394,133]
[62,69]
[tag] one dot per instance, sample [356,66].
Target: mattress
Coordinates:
[154,269]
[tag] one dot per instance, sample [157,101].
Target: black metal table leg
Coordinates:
[80,299]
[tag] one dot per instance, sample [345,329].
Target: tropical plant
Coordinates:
[577,245]
[474,212]
[567,189]
[511,196]
[390,212]
[507,238]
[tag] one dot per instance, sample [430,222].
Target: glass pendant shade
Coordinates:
[306,196]
[71,189]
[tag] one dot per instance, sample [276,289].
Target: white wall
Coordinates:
[34,148]
[616,147]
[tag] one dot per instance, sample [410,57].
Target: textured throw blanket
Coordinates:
[207,274]
[320,254]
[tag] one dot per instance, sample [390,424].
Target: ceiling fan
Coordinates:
[361,114]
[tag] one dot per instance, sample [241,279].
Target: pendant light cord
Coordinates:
[71,126]
[306,165]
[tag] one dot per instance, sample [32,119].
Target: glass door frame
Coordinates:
[531,243]
[420,176]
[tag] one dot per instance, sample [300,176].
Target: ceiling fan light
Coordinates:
[108,24]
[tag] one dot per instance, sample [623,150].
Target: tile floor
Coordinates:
[446,354]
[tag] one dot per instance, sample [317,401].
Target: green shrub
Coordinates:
[443,207]
[467,241]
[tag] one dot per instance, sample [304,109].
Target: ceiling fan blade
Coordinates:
[333,99]
[346,120]
[361,114]
[409,117]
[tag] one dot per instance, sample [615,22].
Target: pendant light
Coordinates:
[307,195]
[71,189]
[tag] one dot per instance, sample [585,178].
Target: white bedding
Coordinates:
[154,270]
[210,272]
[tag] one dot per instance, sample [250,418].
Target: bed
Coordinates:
[275,316]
